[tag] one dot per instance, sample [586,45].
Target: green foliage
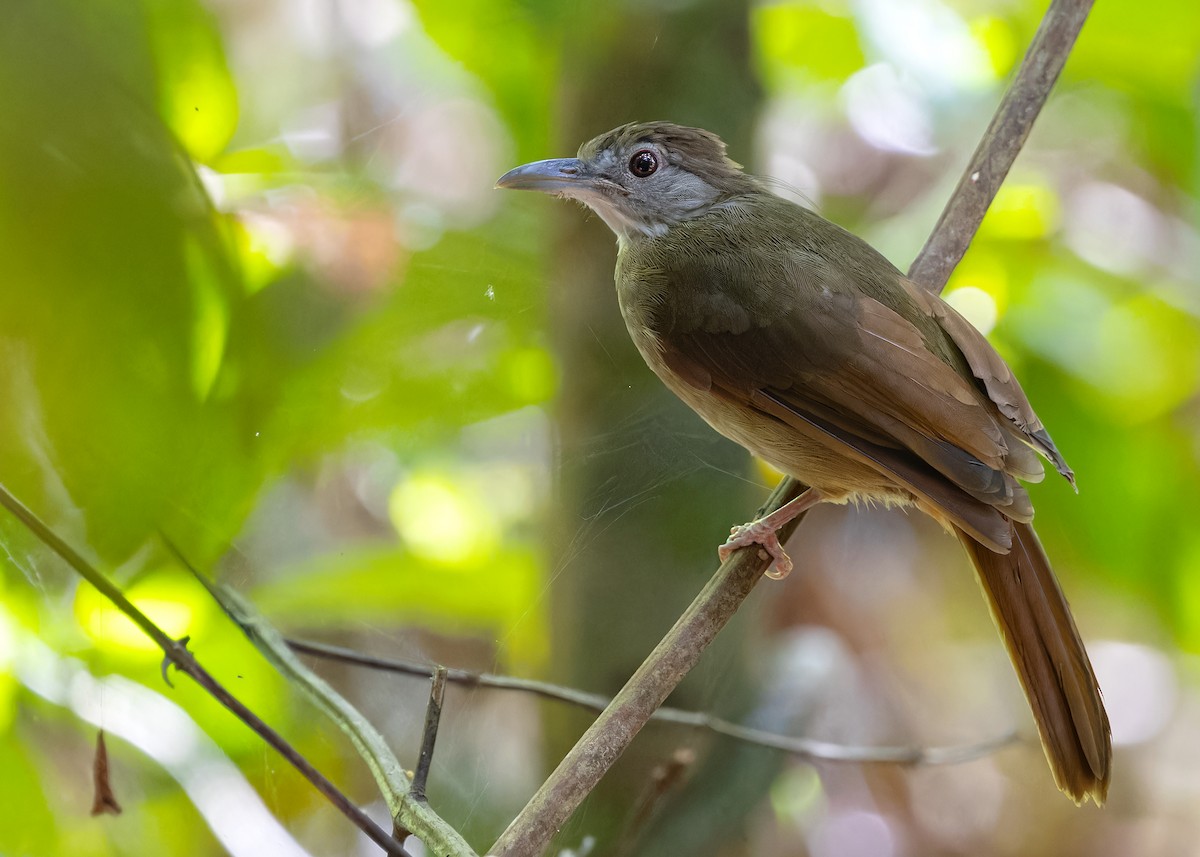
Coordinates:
[119,290]
[255,293]
[804,45]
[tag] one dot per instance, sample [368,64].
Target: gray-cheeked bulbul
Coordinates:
[798,340]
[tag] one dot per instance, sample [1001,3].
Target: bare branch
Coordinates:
[574,778]
[433,716]
[178,654]
[408,813]
[1001,144]
[605,740]
[806,748]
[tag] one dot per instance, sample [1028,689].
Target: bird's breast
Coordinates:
[780,445]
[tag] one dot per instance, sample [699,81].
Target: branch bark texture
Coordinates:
[533,829]
[176,652]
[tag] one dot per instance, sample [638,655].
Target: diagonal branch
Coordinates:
[805,748]
[532,830]
[408,810]
[1001,143]
[604,741]
[177,653]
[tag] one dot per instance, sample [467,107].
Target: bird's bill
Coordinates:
[558,175]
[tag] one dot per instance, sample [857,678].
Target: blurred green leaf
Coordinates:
[117,286]
[197,97]
[22,797]
[802,44]
[489,600]
[376,351]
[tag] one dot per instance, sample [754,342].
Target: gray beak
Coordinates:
[559,175]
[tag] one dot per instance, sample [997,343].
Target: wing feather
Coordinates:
[849,353]
[1001,385]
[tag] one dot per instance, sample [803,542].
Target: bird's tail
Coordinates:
[1033,617]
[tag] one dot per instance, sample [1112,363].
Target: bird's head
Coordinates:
[641,178]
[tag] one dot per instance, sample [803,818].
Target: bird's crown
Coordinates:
[700,152]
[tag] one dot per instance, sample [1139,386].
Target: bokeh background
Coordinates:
[257,293]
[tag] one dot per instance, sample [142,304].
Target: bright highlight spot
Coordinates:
[996,38]
[265,246]
[1140,689]
[927,40]
[1022,212]
[796,793]
[1115,229]
[854,833]
[376,22]
[984,271]
[109,628]
[202,107]
[443,521]
[197,95]
[888,111]
[798,43]
[976,305]
[531,374]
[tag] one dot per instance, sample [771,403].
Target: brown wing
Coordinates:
[980,520]
[836,360]
[998,380]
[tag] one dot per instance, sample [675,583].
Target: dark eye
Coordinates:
[643,163]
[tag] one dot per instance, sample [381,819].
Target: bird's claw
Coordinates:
[758,533]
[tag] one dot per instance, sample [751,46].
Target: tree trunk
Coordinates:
[646,490]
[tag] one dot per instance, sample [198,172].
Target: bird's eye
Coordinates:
[643,163]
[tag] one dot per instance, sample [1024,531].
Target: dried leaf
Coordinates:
[105,802]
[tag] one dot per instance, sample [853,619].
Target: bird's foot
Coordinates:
[762,533]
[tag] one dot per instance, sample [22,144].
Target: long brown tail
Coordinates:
[1050,660]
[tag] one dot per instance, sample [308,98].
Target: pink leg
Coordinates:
[762,532]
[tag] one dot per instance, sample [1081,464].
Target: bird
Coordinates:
[802,343]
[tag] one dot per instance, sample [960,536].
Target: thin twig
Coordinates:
[433,716]
[1001,143]
[574,778]
[408,813]
[806,748]
[183,660]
